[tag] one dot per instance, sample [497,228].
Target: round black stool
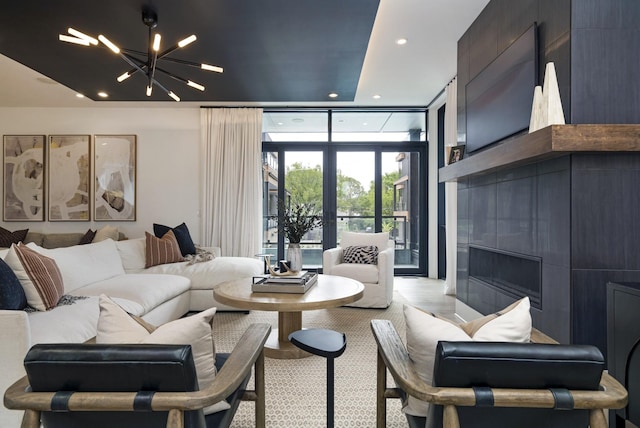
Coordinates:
[325,343]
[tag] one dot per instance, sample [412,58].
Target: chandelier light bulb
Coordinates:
[109,44]
[70,39]
[195,85]
[211,68]
[174,96]
[83,36]
[149,90]
[156,42]
[124,76]
[184,42]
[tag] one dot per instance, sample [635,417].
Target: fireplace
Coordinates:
[513,274]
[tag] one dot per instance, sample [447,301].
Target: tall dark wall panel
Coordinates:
[605,41]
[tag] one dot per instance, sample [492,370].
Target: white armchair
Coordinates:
[377,278]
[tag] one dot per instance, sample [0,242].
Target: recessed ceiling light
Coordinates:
[376,97]
[402,41]
[103,94]
[333,95]
[79,95]
[365,124]
[280,123]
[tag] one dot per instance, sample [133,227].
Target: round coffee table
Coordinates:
[330,291]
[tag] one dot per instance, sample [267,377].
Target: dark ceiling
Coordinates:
[271,51]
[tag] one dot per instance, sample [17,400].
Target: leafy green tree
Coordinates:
[304,184]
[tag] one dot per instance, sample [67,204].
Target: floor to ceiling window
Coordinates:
[365,170]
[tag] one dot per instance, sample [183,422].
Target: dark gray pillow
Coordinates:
[182,236]
[363,254]
[12,295]
[8,237]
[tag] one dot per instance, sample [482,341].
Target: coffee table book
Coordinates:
[275,284]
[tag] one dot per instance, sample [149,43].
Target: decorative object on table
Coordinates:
[146,62]
[23,177]
[115,177]
[284,270]
[294,221]
[456,153]
[69,167]
[297,284]
[547,105]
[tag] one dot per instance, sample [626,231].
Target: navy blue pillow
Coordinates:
[12,295]
[182,236]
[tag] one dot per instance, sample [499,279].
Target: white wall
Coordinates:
[167,185]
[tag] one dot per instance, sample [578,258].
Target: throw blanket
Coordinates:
[201,255]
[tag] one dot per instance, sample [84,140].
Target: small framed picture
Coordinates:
[456,154]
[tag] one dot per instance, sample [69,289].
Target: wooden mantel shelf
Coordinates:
[546,143]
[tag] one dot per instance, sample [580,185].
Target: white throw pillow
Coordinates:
[81,265]
[132,254]
[425,330]
[115,325]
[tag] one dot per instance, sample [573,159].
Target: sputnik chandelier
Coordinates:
[136,59]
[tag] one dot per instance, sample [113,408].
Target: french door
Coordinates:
[361,187]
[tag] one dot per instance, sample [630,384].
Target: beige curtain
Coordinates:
[451,189]
[231,198]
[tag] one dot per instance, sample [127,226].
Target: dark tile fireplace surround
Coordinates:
[555,230]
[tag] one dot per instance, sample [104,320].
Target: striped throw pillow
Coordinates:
[7,238]
[162,250]
[364,254]
[39,276]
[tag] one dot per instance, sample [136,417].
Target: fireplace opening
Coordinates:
[514,274]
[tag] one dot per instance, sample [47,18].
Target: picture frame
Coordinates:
[24,177]
[456,153]
[69,167]
[115,177]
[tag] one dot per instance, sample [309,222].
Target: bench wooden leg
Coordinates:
[381,386]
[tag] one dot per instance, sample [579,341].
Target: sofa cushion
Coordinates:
[363,254]
[71,323]
[39,276]
[7,238]
[360,272]
[12,295]
[425,330]
[162,250]
[141,292]
[380,240]
[84,264]
[59,240]
[115,325]
[132,254]
[182,236]
[205,275]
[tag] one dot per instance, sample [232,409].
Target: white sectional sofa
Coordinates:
[158,294]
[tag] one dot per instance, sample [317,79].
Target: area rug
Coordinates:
[296,389]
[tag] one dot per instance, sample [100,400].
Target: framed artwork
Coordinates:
[23,157]
[69,173]
[115,178]
[456,154]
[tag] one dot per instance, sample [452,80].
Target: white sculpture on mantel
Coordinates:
[547,105]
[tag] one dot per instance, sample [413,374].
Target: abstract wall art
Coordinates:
[23,177]
[115,178]
[69,171]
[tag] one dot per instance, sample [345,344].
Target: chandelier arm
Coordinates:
[151,60]
[175,77]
